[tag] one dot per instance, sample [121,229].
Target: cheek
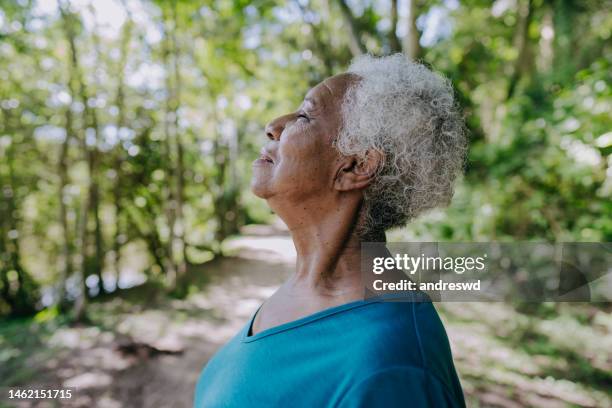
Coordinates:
[305,165]
[306,145]
[302,156]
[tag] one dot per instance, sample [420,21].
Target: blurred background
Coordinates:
[131,247]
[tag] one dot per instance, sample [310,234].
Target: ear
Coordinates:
[357,174]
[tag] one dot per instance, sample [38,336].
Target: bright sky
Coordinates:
[110,15]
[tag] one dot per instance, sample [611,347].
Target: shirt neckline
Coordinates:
[245,338]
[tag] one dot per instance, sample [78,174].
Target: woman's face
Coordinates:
[299,162]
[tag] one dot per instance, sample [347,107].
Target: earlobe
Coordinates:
[357,174]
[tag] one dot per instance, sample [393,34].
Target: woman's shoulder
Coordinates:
[405,334]
[400,337]
[399,322]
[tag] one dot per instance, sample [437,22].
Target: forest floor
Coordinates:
[146,350]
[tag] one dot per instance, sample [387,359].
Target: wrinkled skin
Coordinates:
[300,146]
[318,193]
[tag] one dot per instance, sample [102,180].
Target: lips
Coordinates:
[264,159]
[264,156]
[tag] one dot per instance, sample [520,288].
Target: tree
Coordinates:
[78,91]
[355,43]
[119,153]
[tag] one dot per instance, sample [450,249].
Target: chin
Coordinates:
[261,181]
[260,189]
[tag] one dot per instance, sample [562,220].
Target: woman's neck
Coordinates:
[328,268]
[328,254]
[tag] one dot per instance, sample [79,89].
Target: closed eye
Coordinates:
[301,115]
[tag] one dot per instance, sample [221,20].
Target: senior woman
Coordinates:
[366,151]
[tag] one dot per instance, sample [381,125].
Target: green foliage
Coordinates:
[539,163]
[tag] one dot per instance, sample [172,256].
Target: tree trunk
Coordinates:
[394,42]
[67,270]
[355,44]
[321,47]
[80,305]
[563,59]
[94,158]
[98,238]
[412,48]
[523,65]
[22,295]
[77,87]
[180,168]
[118,160]
[220,153]
[169,132]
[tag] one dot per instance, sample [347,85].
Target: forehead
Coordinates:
[330,90]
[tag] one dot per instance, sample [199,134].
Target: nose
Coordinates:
[275,128]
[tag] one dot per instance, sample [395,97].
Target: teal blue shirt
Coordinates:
[368,353]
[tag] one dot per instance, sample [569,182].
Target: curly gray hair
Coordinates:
[408,113]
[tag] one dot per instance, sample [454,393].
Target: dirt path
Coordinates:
[238,286]
[151,356]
